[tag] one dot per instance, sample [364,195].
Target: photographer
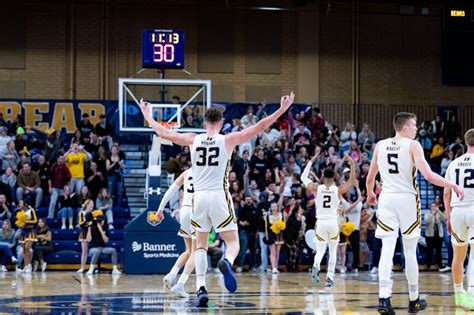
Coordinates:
[97,238]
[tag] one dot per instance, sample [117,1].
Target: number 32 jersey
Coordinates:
[396,166]
[210,162]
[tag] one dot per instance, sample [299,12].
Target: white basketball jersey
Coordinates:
[210,161]
[461,172]
[327,202]
[188,189]
[396,166]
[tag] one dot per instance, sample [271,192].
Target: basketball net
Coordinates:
[169,125]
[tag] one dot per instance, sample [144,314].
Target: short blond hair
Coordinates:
[400,120]
[469,137]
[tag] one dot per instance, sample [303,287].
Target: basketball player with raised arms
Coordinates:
[397,159]
[460,214]
[186,231]
[213,208]
[327,198]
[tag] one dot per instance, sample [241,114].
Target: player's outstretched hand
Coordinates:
[159,215]
[317,152]
[372,198]
[287,100]
[459,192]
[145,106]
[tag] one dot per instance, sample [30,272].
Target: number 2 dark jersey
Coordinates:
[210,162]
[396,166]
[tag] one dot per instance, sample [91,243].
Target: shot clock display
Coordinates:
[163,49]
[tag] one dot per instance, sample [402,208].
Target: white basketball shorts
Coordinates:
[462,225]
[398,211]
[327,230]
[185,214]
[213,209]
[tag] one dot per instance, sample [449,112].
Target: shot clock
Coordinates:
[163,49]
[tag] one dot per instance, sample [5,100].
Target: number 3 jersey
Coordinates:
[327,202]
[396,166]
[210,161]
[461,172]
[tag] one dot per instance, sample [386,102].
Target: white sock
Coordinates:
[411,266]
[230,259]
[200,261]
[332,259]
[183,278]
[175,270]
[320,251]
[385,266]
[470,272]
[458,288]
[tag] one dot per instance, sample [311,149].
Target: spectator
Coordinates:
[263,207]
[434,234]
[27,234]
[10,157]
[98,239]
[24,158]
[59,177]
[214,250]
[457,147]
[354,151]
[236,193]
[294,232]
[75,160]
[85,220]
[83,197]
[114,166]
[249,119]
[197,117]
[366,224]
[29,185]
[453,129]
[42,169]
[101,159]
[274,240]
[85,126]
[5,210]
[9,180]
[240,165]
[447,159]
[252,188]
[437,154]
[4,138]
[269,136]
[347,136]
[95,180]
[52,143]
[104,131]
[90,146]
[104,203]
[353,212]
[437,128]
[425,141]
[365,135]
[258,165]
[20,141]
[42,246]
[67,204]
[77,138]
[120,153]
[7,242]
[246,221]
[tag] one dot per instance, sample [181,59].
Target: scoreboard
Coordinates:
[163,49]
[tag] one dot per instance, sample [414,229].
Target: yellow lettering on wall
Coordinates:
[10,110]
[63,117]
[93,109]
[33,118]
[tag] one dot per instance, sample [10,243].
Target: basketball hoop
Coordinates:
[169,125]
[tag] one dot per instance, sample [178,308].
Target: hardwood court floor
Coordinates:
[70,293]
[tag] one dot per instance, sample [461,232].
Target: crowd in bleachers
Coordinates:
[51,177]
[266,188]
